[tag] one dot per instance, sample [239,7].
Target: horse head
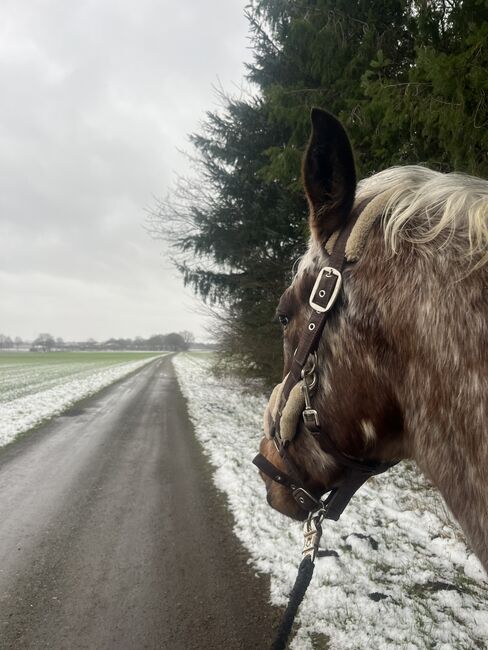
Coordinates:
[401,363]
[354,400]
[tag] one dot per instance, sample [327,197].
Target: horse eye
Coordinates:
[284,320]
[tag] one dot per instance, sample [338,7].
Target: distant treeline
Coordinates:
[172,342]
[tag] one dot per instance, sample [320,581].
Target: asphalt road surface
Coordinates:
[113,536]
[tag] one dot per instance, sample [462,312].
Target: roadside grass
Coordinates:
[224,371]
[202,354]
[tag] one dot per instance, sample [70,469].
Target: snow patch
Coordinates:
[403,578]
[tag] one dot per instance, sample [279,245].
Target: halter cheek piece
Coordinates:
[322,300]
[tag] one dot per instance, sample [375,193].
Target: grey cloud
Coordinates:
[97,97]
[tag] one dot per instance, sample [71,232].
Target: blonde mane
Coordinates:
[425,205]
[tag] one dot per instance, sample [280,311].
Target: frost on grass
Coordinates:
[403,576]
[31,393]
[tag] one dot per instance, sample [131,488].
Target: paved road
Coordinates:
[112,535]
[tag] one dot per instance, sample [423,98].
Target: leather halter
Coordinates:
[322,299]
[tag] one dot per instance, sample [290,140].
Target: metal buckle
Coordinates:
[305,499]
[329,271]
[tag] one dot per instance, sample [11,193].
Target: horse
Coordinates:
[402,361]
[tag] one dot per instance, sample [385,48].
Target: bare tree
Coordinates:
[45,341]
[188,338]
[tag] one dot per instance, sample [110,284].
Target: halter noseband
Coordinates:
[322,299]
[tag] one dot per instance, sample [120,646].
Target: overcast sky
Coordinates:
[97,96]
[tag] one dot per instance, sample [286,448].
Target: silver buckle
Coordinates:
[304,498]
[329,271]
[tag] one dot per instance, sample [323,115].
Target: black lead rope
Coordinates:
[305,573]
[331,508]
[312,532]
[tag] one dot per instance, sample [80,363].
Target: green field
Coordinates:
[49,358]
[34,386]
[23,373]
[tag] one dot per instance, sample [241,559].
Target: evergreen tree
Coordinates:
[437,111]
[408,80]
[317,55]
[237,234]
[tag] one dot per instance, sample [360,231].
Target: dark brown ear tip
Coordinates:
[326,126]
[319,117]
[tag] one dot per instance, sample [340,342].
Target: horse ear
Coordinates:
[329,175]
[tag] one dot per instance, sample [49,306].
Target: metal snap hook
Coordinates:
[308,373]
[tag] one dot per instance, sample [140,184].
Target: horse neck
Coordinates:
[445,388]
[451,449]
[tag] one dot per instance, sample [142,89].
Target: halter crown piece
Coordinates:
[291,398]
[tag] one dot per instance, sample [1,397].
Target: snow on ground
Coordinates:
[403,576]
[31,393]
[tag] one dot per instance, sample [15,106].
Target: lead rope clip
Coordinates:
[312,532]
[309,382]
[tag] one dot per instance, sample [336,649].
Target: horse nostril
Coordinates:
[269,499]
